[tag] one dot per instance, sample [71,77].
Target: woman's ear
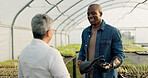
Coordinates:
[48,33]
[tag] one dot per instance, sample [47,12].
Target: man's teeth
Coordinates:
[91,19]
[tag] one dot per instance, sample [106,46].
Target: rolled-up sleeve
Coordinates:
[117,46]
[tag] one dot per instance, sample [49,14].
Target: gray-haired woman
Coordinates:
[38,59]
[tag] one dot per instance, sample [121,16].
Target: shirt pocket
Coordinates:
[105,47]
[105,41]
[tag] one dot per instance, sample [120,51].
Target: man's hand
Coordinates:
[107,67]
[88,65]
[104,67]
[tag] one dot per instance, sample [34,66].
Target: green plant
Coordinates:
[69,50]
[70,69]
[133,48]
[138,70]
[9,63]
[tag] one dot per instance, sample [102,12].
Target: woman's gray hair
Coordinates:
[40,24]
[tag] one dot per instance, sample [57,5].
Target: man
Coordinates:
[38,59]
[100,39]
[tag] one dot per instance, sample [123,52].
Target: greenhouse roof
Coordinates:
[68,15]
[71,14]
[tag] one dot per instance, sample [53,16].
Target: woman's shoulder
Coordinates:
[53,51]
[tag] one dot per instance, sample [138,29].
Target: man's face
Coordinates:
[94,16]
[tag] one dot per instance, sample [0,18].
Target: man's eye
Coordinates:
[93,13]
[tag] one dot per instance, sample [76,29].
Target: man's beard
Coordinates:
[95,24]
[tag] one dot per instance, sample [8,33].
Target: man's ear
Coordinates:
[101,14]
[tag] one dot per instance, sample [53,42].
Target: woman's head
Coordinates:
[40,24]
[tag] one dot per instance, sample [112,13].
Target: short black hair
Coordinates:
[96,5]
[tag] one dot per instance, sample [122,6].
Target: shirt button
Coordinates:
[86,45]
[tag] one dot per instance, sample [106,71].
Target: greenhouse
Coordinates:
[130,17]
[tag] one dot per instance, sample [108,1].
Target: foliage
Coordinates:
[8,69]
[70,69]
[128,67]
[133,48]
[9,63]
[69,50]
[134,70]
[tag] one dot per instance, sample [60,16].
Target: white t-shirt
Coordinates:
[39,60]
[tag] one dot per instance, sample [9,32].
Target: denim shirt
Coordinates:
[108,43]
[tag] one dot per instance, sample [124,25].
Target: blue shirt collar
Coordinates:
[101,27]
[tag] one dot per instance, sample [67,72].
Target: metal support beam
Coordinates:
[76,13]
[67,9]
[64,15]
[73,26]
[74,19]
[53,6]
[12,26]
[109,5]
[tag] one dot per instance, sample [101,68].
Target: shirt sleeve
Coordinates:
[20,73]
[117,46]
[58,67]
[82,55]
